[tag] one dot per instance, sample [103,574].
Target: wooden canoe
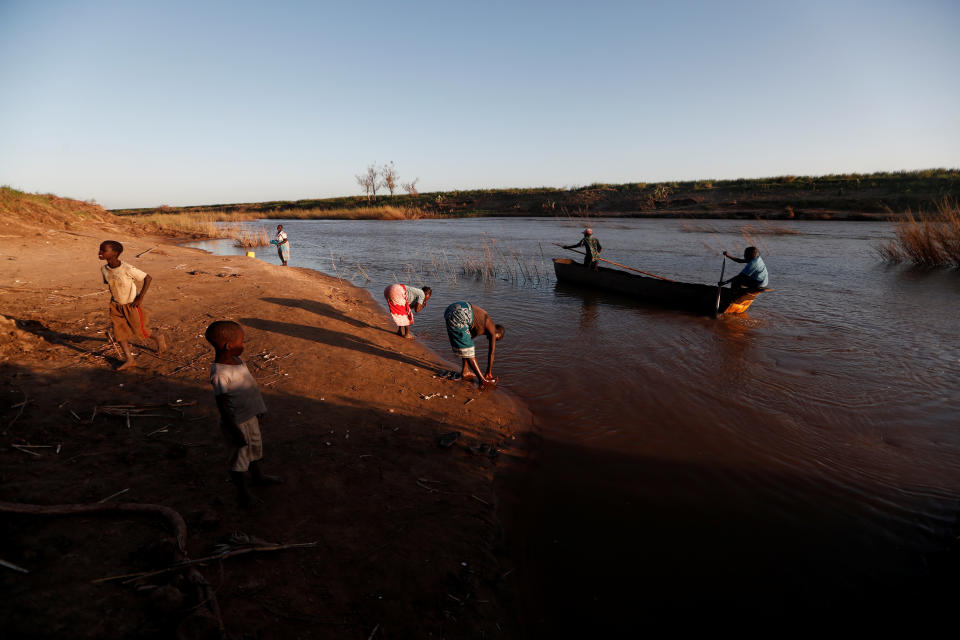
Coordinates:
[700,298]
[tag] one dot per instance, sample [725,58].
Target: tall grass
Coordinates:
[252,237]
[929,240]
[187,220]
[490,262]
[210,223]
[386,212]
[201,224]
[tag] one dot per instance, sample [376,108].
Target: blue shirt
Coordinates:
[757,271]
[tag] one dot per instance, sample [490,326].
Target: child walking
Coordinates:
[241,408]
[127,315]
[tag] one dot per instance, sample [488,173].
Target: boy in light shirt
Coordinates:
[127,315]
[241,407]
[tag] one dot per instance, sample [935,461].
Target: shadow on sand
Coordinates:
[321,309]
[335,339]
[380,560]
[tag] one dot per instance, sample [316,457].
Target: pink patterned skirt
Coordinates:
[396,295]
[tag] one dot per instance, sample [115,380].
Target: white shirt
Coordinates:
[240,388]
[123,281]
[415,296]
[281,236]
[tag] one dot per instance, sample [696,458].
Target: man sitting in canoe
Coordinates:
[464,322]
[592,248]
[753,276]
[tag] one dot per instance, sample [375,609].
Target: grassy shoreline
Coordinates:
[873,196]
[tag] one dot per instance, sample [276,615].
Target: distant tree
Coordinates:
[389,176]
[411,187]
[369,181]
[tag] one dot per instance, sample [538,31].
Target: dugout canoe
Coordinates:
[699,298]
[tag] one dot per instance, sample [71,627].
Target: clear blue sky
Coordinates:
[148,103]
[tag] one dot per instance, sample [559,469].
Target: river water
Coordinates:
[800,460]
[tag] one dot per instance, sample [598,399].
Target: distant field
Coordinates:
[841,196]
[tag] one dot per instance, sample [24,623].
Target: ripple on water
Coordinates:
[841,384]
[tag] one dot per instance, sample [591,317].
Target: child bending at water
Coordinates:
[241,408]
[127,315]
[403,300]
[753,276]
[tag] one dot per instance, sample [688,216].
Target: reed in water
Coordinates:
[490,262]
[248,237]
[927,239]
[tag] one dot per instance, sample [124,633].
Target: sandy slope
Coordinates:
[407,531]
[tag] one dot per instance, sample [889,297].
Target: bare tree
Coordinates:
[362,181]
[411,187]
[389,177]
[369,181]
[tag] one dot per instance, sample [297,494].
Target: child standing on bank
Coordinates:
[241,407]
[127,315]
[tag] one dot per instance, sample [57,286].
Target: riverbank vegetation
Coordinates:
[225,223]
[874,196]
[763,228]
[250,237]
[44,210]
[927,239]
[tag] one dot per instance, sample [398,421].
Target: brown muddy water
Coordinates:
[792,466]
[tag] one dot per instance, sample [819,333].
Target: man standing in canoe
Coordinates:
[753,276]
[592,248]
[403,300]
[464,322]
[283,244]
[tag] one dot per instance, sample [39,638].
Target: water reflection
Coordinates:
[829,412]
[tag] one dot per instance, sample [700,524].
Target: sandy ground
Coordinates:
[408,543]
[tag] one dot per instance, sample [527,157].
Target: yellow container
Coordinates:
[251,254]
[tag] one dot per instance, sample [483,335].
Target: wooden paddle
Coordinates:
[716,311]
[652,275]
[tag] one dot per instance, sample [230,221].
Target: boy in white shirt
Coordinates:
[241,407]
[127,315]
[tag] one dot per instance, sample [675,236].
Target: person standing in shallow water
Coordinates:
[283,244]
[592,248]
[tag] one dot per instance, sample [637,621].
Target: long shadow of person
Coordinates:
[319,308]
[69,340]
[334,339]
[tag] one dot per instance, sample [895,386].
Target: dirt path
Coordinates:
[407,533]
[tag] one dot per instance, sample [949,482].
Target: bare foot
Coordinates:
[409,336]
[161,343]
[128,364]
[468,377]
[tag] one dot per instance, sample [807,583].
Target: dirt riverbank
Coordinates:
[406,532]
